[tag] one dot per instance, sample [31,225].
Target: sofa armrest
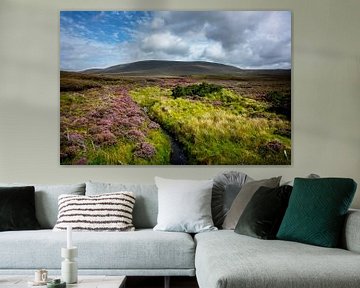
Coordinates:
[351,234]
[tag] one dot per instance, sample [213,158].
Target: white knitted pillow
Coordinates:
[105,212]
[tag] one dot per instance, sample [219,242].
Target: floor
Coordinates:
[158,282]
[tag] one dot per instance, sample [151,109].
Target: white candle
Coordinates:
[69,239]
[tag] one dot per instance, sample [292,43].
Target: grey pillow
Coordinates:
[184,205]
[46,200]
[242,199]
[310,176]
[146,204]
[226,187]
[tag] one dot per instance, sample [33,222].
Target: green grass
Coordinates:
[219,134]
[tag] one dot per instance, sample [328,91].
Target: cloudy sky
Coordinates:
[246,39]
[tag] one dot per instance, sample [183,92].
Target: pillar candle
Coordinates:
[69,237]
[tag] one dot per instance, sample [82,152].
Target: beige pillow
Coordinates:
[243,198]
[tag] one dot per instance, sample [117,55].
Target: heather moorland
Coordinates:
[115,119]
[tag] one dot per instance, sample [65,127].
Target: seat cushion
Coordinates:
[143,249]
[225,259]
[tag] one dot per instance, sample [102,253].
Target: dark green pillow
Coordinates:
[264,213]
[17,208]
[316,211]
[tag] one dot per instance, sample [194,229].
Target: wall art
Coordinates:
[175,87]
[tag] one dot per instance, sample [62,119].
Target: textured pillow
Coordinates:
[226,186]
[17,209]
[243,198]
[317,209]
[146,205]
[46,200]
[263,215]
[106,212]
[184,205]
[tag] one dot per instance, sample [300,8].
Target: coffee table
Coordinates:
[84,281]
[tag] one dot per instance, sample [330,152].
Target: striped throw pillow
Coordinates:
[105,212]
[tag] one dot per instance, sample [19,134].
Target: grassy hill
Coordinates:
[174,68]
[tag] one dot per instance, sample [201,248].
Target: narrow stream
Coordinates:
[178,155]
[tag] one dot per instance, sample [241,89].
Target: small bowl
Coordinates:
[56,283]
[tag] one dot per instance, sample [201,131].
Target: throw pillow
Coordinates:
[263,215]
[146,205]
[46,200]
[291,182]
[316,211]
[226,186]
[105,212]
[17,208]
[184,205]
[243,198]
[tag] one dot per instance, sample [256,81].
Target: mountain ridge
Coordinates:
[167,67]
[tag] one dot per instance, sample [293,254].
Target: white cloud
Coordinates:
[164,43]
[250,40]
[215,52]
[157,23]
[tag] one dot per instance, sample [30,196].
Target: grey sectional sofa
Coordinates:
[219,259]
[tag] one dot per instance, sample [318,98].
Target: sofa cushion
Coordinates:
[137,250]
[46,200]
[146,205]
[225,259]
[184,205]
[105,212]
[17,208]
[317,209]
[225,189]
[243,198]
[263,215]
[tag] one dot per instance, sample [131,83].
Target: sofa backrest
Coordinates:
[146,203]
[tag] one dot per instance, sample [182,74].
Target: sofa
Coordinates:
[218,259]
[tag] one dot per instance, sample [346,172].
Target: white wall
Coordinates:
[326,91]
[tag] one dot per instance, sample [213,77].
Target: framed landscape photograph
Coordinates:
[175,87]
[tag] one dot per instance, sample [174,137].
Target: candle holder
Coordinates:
[69,271]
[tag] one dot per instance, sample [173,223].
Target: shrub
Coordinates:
[279,103]
[68,84]
[195,90]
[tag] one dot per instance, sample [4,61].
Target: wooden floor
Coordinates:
[158,282]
